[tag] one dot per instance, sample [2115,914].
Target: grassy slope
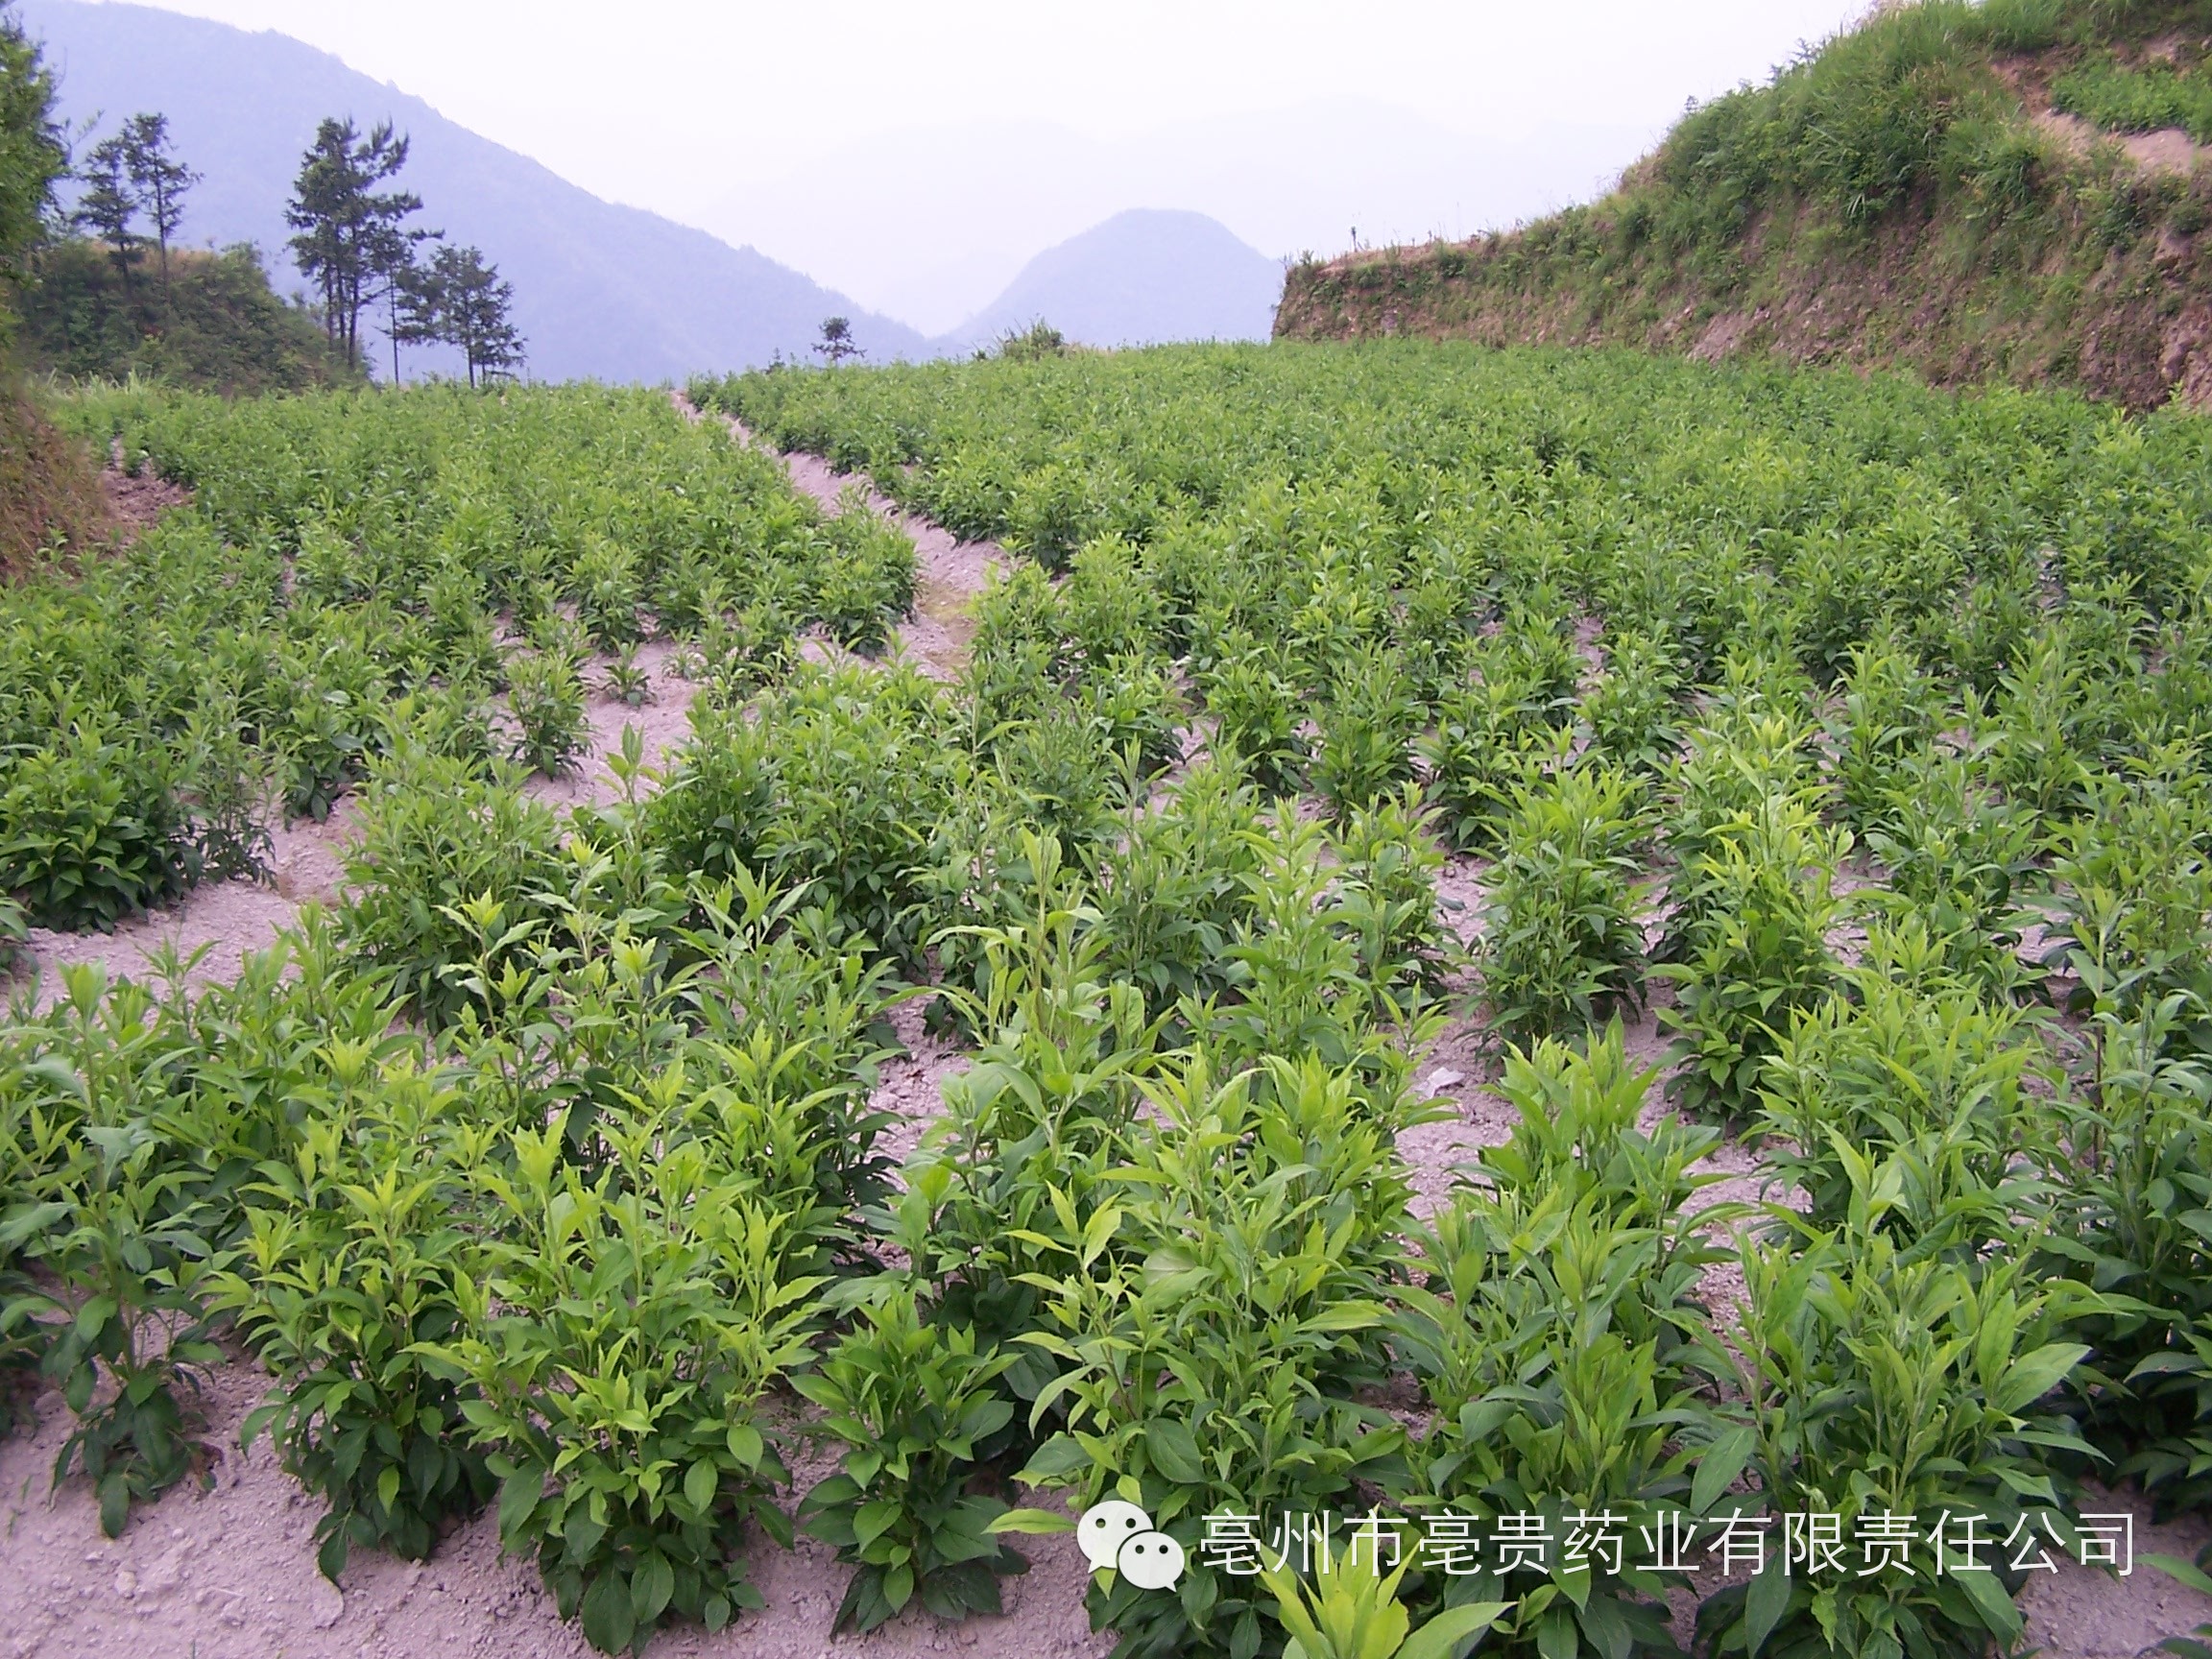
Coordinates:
[49,492]
[1903,198]
[216,327]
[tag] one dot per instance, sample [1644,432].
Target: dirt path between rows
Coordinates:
[949,573]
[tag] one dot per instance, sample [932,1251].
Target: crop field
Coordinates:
[1782,797]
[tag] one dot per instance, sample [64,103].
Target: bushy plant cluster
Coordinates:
[2123,99]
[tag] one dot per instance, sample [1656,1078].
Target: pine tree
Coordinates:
[460,299]
[394,264]
[345,225]
[32,155]
[160,180]
[838,343]
[109,204]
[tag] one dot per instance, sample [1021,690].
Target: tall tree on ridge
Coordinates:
[396,268]
[838,343]
[33,156]
[459,300]
[161,181]
[110,202]
[345,225]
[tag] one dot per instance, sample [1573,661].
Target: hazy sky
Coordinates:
[727,115]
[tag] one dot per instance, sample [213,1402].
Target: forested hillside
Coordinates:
[214,324]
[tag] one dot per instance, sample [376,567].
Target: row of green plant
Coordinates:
[581,1252]
[357,567]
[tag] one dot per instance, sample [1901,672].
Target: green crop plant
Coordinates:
[790,1032]
[617,1345]
[913,1402]
[1562,938]
[1387,897]
[227,792]
[1557,1334]
[626,679]
[1014,1171]
[1207,1331]
[859,773]
[708,815]
[754,648]
[1534,646]
[1294,980]
[1633,713]
[1368,718]
[1488,739]
[458,624]
[1744,756]
[545,699]
[1351,1610]
[1880,1386]
[1138,711]
[1577,1138]
[1963,629]
[1334,617]
[972,877]
[866,583]
[1888,722]
[1258,717]
[2134,887]
[104,1205]
[319,720]
[1114,607]
[452,722]
[434,838]
[1758,957]
[2131,1175]
[92,832]
[1960,862]
[1894,1066]
[346,1275]
[1168,898]
[2044,736]
[607,589]
[1057,766]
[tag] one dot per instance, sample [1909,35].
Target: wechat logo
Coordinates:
[1119,1535]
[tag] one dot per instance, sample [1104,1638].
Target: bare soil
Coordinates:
[2170,149]
[134,503]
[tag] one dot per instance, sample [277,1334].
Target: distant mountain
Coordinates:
[1142,277]
[601,291]
[977,195]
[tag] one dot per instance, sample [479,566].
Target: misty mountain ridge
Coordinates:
[601,291]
